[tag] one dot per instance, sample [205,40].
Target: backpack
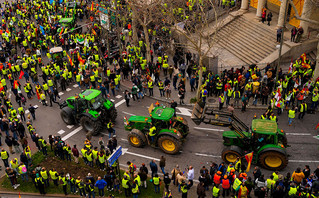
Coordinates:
[134,167]
[24,169]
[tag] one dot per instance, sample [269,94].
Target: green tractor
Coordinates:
[171,130]
[264,139]
[90,109]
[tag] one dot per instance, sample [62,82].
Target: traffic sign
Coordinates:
[115,156]
[104,19]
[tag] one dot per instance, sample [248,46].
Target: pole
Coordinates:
[282,40]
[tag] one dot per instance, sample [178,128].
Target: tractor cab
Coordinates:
[57,54]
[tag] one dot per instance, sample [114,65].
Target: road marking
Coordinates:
[72,133]
[61,93]
[118,96]
[125,140]
[304,161]
[68,89]
[205,155]
[128,113]
[199,128]
[35,106]
[69,126]
[298,134]
[61,132]
[183,111]
[139,155]
[112,100]
[75,86]
[316,137]
[27,111]
[119,103]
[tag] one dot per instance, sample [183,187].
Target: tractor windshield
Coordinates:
[97,102]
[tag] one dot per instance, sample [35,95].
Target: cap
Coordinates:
[143,164]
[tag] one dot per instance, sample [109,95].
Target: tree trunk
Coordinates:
[135,38]
[199,78]
[148,45]
[316,71]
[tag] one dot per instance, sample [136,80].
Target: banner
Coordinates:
[249,159]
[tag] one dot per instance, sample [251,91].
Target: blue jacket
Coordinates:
[100,184]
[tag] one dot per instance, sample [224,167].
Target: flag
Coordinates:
[303,57]
[249,159]
[1,86]
[15,84]
[80,59]
[125,120]
[21,74]
[290,68]
[92,6]
[42,29]
[19,195]
[94,32]
[37,91]
[278,94]
[61,31]
[70,60]
[305,65]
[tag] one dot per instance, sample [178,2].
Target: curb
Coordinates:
[37,195]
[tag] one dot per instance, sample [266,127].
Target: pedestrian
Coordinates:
[221,101]
[135,190]
[40,184]
[263,16]
[190,176]
[269,18]
[153,167]
[75,152]
[181,95]
[244,101]
[90,188]
[156,181]
[184,188]
[293,34]
[110,129]
[64,183]
[45,177]
[216,191]
[299,33]
[279,32]
[32,111]
[167,181]
[143,175]
[302,110]
[168,91]
[9,143]
[162,164]
[52,99]
[201,191]
[292,115]
[5,157]
[126,185]
[127,98]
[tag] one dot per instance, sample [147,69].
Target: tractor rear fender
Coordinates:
[176,135]
[271,147]
[89,115]
[140,133]
[237,149]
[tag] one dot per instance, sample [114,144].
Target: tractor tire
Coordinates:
[136,138]
[169,144]
[91,126]
[113,114]
[230,154]
[67,116]
[273,160]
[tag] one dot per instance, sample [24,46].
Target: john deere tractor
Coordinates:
[90,109]
[264,139]
[171,130]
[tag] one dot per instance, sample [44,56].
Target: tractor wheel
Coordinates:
[93,127]
[113,114]
[169,144]
[67,116]
[230,154]
[273,160]
[136,139]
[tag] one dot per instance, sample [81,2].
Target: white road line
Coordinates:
[298,134]
[304,161]
[27,111]
[70,126]
[36,106]
[72,133]
[316,137]
[184,111]
[128,113]
[118,96]
[61,93]
[143,156]
[61,132]
[205,155]
[112,100]
[199,128]
[68,89]
[75,86]
[125,140]
[119,103]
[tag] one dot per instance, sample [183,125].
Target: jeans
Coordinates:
[101,192]
[111,130]
[255,102]
[44,150]
[24,177]
[92,193]
[72,189]
[135,195]
[290,121]
[156,188]
[82,192]
[163,171]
